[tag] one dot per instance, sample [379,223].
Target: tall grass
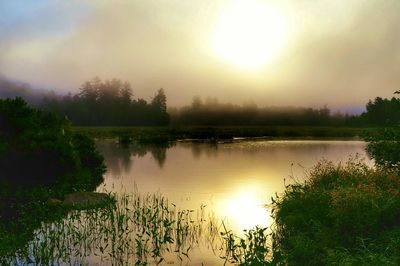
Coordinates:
[253,249]
[138,229]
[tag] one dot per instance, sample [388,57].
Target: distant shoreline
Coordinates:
[225,133]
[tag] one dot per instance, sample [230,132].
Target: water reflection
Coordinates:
[245,208]
[198,150]
[235,179]
[120,157]
[167,220]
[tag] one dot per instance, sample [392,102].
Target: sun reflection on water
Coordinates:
[245,209]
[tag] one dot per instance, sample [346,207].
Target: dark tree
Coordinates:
[49,153]
[159,107]
[212,112]
[382,112]
[109,103]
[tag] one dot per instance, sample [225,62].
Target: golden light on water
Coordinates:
[245,209]
[250,34]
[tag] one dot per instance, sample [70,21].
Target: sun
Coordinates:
[250,34]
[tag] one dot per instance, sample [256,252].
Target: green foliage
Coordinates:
[382,112]
[342,214]
[384,147]
[253,249]
[39,158]
[90,160]
[39,149]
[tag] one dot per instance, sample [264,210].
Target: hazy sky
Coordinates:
[283,52]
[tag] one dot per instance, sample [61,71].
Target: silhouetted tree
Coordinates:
[159,108]
[90,90]
[382,112]
[109,103]
[212,112]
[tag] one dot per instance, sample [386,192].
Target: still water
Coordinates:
[175,200]
[235,180]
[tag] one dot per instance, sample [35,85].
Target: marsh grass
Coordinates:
[252,249]
[137,229]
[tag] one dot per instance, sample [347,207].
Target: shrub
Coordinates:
[384,147]
[38,149]
[340,214]
[39,158]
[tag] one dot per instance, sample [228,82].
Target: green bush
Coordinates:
[38,149]
[384,147]
[343,214]
[39,158]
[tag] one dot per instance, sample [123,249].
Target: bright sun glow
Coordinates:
[244,209]
[250,33]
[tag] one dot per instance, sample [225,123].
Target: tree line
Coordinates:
[109,103]
[112,103]
[212,112]
[381,112]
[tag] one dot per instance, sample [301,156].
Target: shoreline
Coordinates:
[226,133]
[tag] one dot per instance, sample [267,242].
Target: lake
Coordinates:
[174,200]
[235,179]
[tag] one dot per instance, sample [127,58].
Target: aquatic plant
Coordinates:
[137,229]
[252,249]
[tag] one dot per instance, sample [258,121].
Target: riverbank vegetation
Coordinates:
[139,229]
[51,153]
[40,158]
[343,214]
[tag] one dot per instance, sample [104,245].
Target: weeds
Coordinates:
[253,249]
[342,213]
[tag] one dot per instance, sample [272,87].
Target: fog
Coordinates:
[12,89]
[339,53]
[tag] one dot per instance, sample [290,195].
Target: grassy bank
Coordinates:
[343,215]
[154,134]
